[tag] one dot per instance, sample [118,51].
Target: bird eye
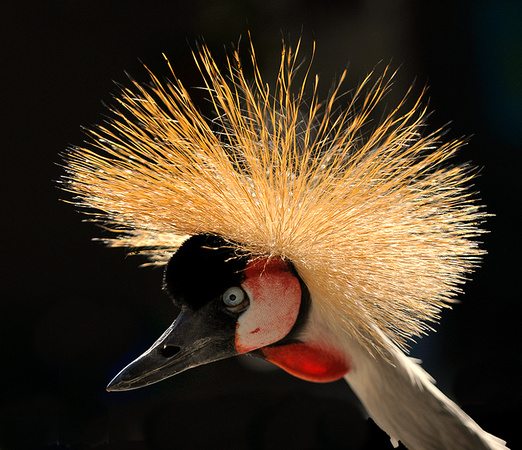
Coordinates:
[234,296]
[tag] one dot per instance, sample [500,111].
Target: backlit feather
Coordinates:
[378,224]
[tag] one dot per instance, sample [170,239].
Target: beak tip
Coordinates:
[119,383]
[128,380]
[112,386]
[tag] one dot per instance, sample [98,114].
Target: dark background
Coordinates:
[73,313]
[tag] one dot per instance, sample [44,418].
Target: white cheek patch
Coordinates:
[275,299]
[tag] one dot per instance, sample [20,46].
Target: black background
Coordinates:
[73,313]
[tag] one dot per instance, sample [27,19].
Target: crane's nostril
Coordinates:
[169,350]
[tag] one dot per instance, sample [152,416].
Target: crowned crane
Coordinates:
[325,246]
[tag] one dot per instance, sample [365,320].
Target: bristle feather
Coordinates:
[377,224]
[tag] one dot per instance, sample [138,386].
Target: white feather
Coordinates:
[400,396]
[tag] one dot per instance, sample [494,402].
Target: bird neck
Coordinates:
[402,399]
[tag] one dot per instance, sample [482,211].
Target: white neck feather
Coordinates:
[402,398]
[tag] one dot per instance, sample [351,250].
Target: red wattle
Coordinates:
[307,362]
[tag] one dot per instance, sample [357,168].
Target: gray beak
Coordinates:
[195,338]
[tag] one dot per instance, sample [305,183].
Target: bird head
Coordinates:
[308,227]
[246,305]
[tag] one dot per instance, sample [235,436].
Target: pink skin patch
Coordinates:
[308,362]
[275,298]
